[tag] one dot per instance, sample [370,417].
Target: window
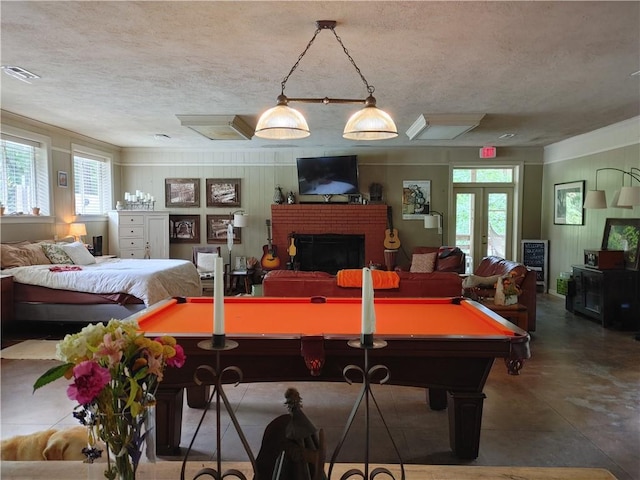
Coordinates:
[24,174]
[483,175]
[91,182]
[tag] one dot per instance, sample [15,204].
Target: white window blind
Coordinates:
[91,183]
[24,175]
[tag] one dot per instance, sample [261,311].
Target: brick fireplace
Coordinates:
[367,220]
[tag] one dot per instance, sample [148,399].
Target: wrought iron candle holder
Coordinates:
[218,344]
[138,205]
[365,344]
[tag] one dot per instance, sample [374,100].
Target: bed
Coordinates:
[88,290]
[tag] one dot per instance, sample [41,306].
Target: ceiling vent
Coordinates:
[443,126]
[19,73]
[218,127]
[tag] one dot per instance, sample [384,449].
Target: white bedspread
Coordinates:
[149,280]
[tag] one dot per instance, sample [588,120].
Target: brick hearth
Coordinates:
[367,220]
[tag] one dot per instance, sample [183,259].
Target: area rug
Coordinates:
[31,350]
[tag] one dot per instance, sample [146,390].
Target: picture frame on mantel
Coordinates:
[568,200]
[182,192]
[623,234]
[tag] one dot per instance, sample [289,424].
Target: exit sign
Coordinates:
[488,152]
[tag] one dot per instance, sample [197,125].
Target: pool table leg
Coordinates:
[465,420]
[437,398]
[168,420]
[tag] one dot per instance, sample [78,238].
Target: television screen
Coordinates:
[328,175]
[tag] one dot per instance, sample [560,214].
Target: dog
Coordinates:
[52,444]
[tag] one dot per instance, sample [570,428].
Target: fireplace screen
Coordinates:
[329,252]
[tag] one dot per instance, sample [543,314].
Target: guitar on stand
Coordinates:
[391,239]
[269,260]
[391,243]
[292,251]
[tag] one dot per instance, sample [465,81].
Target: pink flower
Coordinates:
[89,380]
[112,347]
[178,359]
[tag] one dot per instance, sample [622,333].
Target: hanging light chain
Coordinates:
[295,65]
[370,88]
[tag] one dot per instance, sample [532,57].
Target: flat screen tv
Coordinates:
[328,175]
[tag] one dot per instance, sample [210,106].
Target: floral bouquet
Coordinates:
[115,371]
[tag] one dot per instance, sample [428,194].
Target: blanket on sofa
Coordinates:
[382,279]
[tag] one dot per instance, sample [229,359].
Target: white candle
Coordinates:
[368,311]
[218,298]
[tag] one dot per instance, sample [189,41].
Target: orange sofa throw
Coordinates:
[382,279]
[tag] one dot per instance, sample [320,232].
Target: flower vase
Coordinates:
[125,438]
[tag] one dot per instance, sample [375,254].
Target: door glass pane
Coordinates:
[497,224]
[465,215]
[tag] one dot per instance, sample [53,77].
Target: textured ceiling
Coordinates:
[121,71]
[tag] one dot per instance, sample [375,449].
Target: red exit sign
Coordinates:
[488,152]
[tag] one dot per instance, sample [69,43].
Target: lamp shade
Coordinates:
[595,199]
[77,230]
[614,201]
[370,123]
[240,220]
[282,123]
[431,221]
[629,197]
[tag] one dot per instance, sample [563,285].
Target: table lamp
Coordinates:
[77,231]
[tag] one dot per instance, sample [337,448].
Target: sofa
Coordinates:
[291,283]
[481,284]
[437,259]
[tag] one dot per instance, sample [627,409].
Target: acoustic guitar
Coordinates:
[391,239]
[292,250]
[269,260]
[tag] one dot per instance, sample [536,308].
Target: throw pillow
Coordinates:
[477,281]
[14,255]
[56,254]
[206,262]
[423,262]
[36,255]
[78,253]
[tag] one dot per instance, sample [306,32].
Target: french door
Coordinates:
[484,222]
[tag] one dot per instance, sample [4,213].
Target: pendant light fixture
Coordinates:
[285,123]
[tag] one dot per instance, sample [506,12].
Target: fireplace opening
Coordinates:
[329,252]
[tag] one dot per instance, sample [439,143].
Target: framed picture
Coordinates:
[623,234]
[416,198]
[217,226]
[567,203]
[223,192]
[182,192]
[63,179]
[184,228]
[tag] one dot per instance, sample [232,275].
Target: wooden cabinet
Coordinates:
[134,233]
[610,296]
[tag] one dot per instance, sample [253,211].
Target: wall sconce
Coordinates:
[434,220]
[77,231]
[285,123]
[626,197]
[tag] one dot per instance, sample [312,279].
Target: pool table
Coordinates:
[445,344]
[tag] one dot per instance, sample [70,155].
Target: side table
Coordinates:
[515,313]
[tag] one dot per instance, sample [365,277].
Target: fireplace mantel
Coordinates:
[367,220]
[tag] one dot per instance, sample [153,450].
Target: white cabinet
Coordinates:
[133,232]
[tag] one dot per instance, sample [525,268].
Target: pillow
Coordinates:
[56,254]
[14,255]
[423,262]
[206,262]
[35,254]
[478,281]
[78,253]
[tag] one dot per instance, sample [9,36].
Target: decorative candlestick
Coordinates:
[368,310]
[218,304]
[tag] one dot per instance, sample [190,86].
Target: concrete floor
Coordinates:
[575,403]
